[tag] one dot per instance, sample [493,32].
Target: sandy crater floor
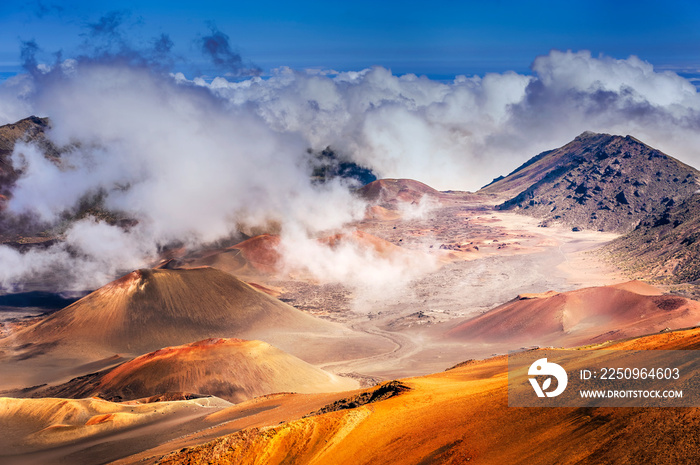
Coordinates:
[514,256]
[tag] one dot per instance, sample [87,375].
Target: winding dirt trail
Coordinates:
[533,260]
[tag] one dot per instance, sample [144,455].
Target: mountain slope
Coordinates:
[390,192]
[255,256]
[260,256]
[583,316]
[462,416]
[31,129]
[665,247]
[232,369]
[149,309]
[31,425]
[597,181]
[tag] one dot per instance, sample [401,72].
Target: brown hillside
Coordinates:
[259,256]
[365,241]
[252,257]
[664,247]
[149,309]
[597,181]
[596,314]
[462,416]
[390,191]
[30,129]
[232,369]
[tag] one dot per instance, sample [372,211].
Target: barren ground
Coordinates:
[481,258]
[514,256]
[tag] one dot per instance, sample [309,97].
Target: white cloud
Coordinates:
[192,159]
[181,161]
[462,134]
[13,98]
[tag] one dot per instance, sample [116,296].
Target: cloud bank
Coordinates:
[173,156]
[192,160]
[459,135]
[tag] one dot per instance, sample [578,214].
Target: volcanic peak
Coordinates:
[597,181]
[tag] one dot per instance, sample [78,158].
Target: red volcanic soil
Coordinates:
[252,257]
[232,369]
[258,257]
[638,287]
[454,417]
[377,212]
[462,416]
[396,190]
[595,314]
[274,292]
[261,252]
[149,309]
[363,240]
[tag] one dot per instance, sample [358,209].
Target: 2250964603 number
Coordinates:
[639,373]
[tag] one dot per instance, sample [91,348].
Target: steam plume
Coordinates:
[191,160]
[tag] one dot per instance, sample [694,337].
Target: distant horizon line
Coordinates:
[692,77]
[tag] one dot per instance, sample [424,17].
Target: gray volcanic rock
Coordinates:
[664,247]
[388,192]
[29,129]
[597,181]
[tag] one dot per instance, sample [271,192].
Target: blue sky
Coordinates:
[439,39]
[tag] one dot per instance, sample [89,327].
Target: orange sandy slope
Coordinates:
[43,431]
[583,316]
[259,254]
[260,257]
[150,309]
[462,416]
[232,369]
[393,190]
[35,424]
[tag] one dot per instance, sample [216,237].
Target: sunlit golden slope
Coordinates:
[462,416]
[232,369]
[150,309]
[258,255]
[35,424]
[95,431]
[595,314]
